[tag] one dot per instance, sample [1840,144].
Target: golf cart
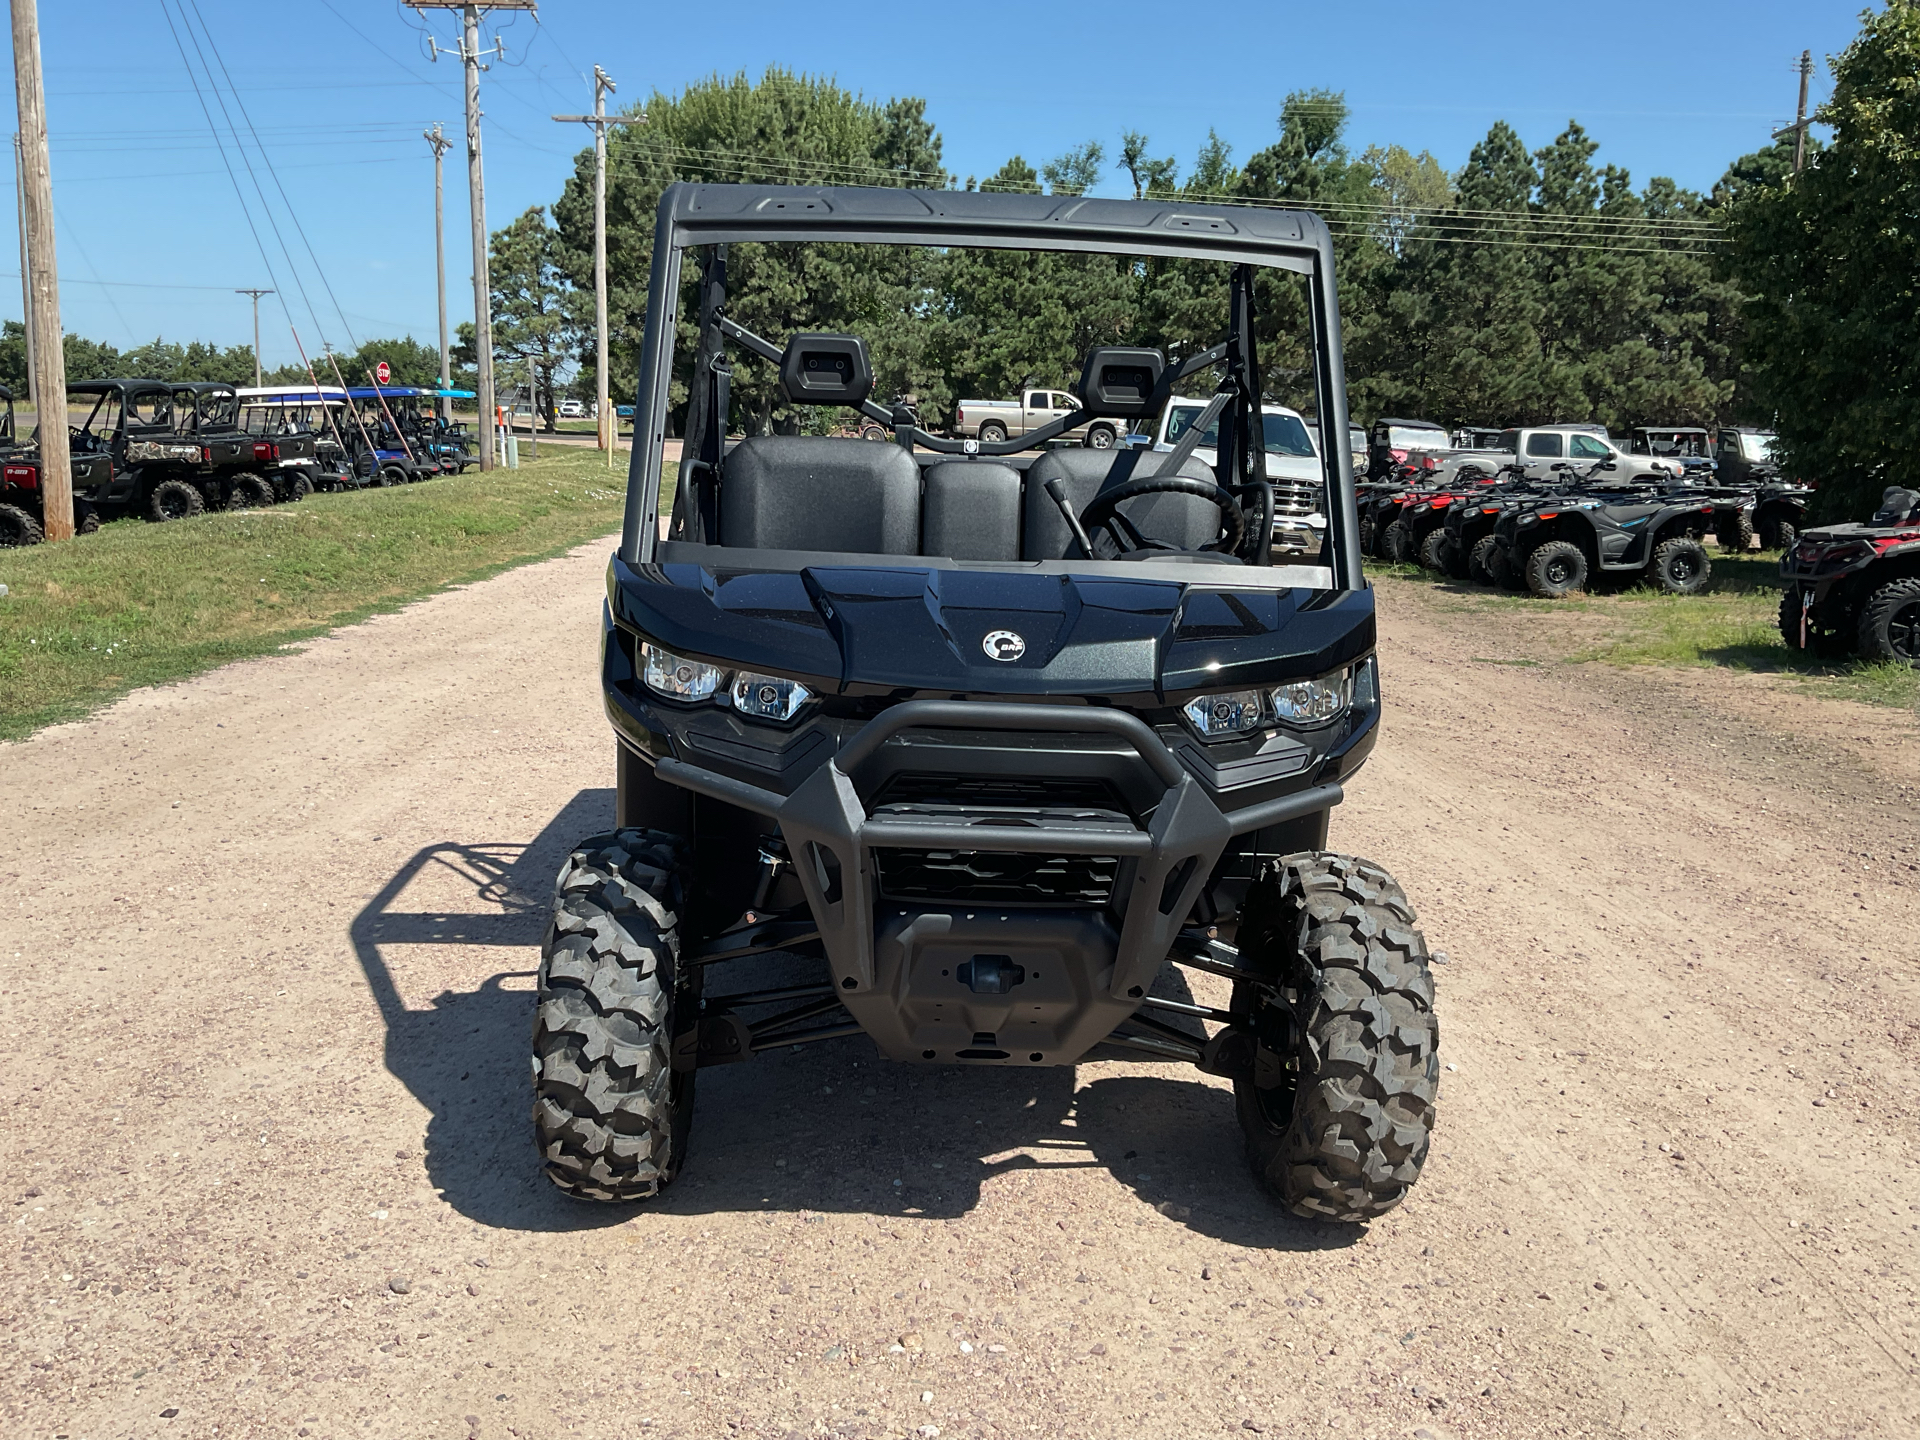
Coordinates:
[998,740]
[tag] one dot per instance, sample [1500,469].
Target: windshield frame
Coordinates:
[698,215]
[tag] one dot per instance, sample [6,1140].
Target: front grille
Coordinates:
[990,877]
[998,792]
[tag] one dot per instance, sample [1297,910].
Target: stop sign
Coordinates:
[383,372]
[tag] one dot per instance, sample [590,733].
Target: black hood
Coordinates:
[898,626]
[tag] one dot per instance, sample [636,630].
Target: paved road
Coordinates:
[269,936]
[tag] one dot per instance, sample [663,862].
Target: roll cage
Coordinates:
[712,217]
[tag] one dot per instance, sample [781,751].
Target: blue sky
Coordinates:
[339,91]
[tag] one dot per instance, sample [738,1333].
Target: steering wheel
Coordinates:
[1104,512]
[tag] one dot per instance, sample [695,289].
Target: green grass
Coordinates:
[1734,626]
[139,604]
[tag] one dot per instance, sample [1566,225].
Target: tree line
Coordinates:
[1527,287]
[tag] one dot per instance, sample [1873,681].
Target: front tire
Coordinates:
[1485,555]
[1776,534]
[1338,1110]
[610,1113]
[1397,543]
[1680,567]
[1890,623]
[174,500]
[1556,569]
[1433,550]
[18,527]
[250,492]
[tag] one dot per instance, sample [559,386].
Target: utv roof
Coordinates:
[391,392]
[1415,424]
[112,387]
[692,214]
[290,394]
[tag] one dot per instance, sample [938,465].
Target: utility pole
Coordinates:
[441,145]
[599,120]
[26,285]
[469,53]
[1800,122]
[43,314]
[256,294]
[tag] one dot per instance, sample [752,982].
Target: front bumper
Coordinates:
[901,968]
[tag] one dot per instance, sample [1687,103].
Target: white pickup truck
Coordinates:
[991,421]
[1293,468]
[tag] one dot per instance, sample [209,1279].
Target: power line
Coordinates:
[267,160]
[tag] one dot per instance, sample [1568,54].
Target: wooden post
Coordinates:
[43,319]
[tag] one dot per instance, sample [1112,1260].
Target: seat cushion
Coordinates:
[1187,521]
[812,492]
[971,511]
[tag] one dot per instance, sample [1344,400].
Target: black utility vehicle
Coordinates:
[992,732]
[1560,543]
[160,464]
[1856,588]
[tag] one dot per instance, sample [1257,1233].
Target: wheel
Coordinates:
[173,500]
[1481,560]
[1337,1108]
[992,433]
[1680,566]
[1453,560]
[18,527]
[299,486]
[1100,437]
[249,492]
[1890,623]
[1817,639]
[610,1113]
[874,430]
[393,475]
[86,519]
[1397,543]
[1367,536]
[1734,532]
[1777,534]
[1557,568]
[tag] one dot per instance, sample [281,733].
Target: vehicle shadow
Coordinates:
[823,1128]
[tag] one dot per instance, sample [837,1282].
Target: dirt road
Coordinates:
[268,937]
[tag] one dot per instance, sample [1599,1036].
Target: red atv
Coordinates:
[1856,588]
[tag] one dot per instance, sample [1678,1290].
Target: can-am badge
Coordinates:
[1003,645]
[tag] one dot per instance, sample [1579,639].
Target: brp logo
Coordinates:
[1003,645]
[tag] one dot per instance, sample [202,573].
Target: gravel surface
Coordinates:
[270,936]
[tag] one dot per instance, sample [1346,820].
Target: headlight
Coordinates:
[677,679]
[1313,702]
[1234,713]
[768,697]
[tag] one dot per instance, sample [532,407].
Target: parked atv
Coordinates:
[989,736]
[1856,588]
[1559,544]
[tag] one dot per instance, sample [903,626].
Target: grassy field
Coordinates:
[1734,625]
[141,604]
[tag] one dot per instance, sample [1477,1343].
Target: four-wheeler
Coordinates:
[1561,543]
[999,741]
[1856,588]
